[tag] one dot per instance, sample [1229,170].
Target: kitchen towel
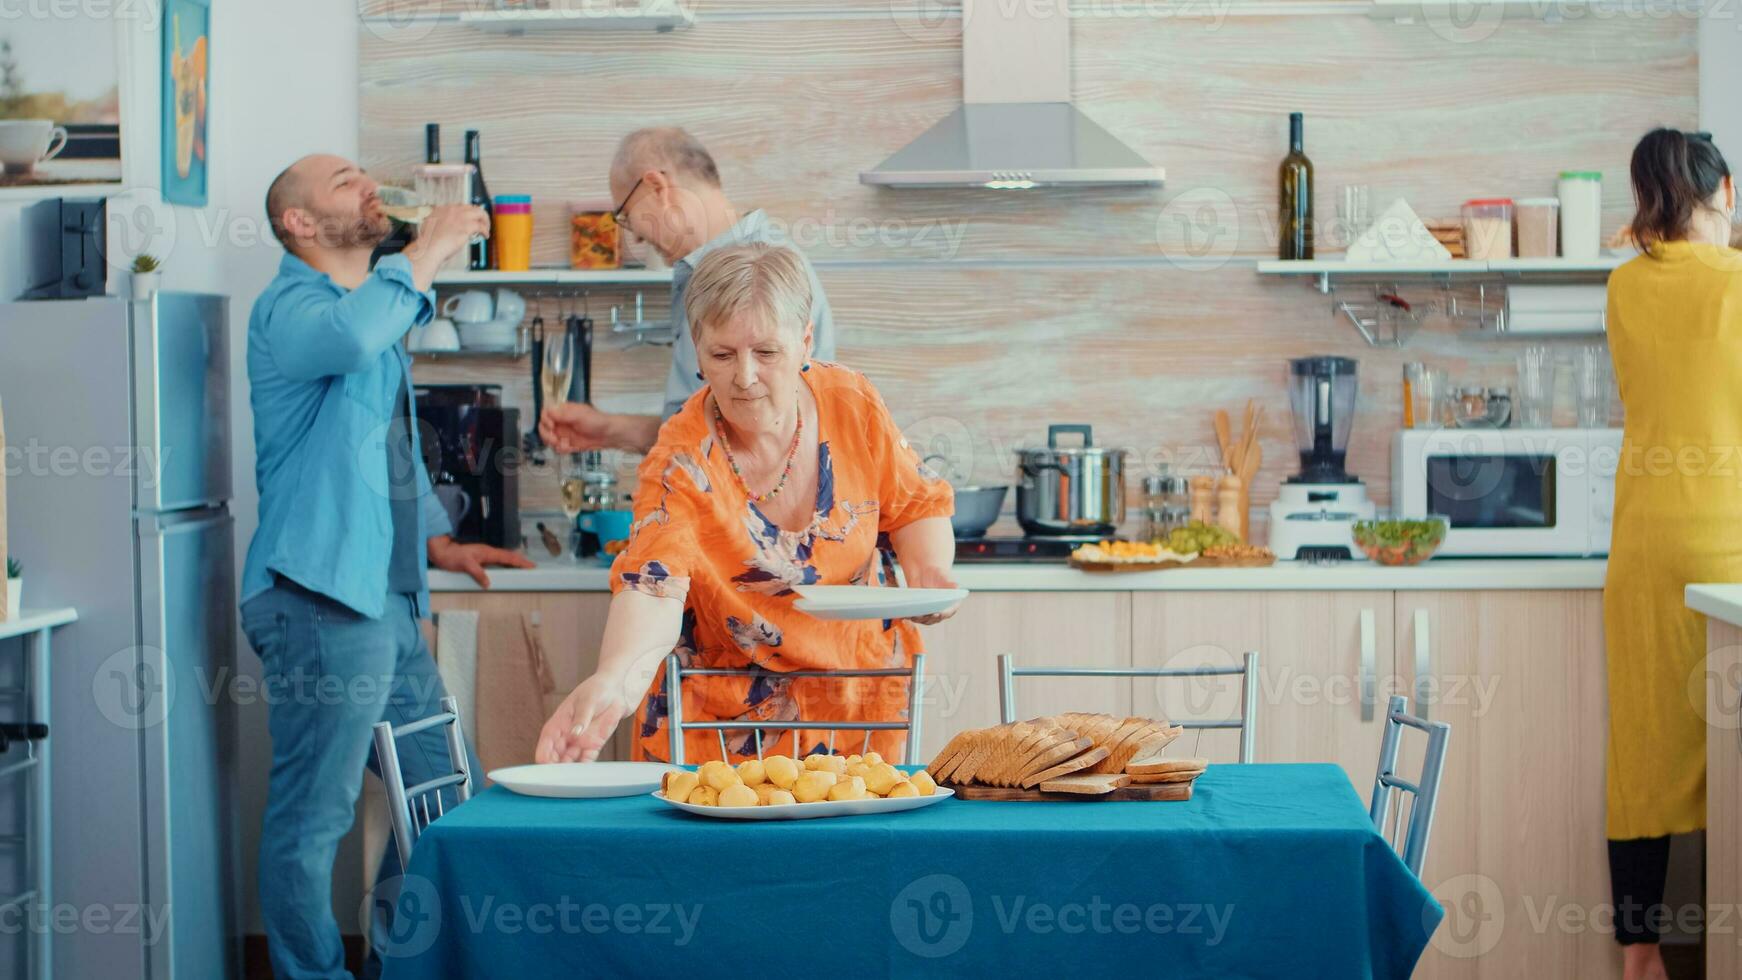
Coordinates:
[512,681]
[1397,235]
[457,662]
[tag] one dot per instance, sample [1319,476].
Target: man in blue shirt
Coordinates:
[335,582]
[669,194]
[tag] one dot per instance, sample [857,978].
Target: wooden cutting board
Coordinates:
[1158,566]
[1152,791]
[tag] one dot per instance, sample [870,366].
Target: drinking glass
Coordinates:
[570,471]
[559,367]
[1431,391]
[1352,212]
[1534,406]
[1596,374]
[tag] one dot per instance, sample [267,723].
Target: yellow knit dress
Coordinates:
[1675,331]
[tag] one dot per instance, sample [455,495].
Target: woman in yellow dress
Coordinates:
[1675,333]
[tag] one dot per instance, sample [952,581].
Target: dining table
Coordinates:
[1268,870]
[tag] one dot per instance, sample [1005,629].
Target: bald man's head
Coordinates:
[663,148]
[325,201]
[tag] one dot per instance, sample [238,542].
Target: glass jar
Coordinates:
[1472,404]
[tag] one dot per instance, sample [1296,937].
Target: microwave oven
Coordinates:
[1510,492]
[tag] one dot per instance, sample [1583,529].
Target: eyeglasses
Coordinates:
[617,215]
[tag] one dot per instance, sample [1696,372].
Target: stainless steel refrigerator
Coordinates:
[117,419]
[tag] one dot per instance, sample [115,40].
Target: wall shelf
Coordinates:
[1465,15]
[600,278]
[660,16]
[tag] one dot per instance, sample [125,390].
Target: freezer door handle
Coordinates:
[1369,663]
[1423,664]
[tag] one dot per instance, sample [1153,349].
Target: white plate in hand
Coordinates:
[808,811]
[873,601]
[583,780]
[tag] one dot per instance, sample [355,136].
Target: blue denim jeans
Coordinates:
[330,675]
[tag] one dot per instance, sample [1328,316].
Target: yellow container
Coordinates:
[511,233]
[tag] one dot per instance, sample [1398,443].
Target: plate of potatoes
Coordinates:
[780,787]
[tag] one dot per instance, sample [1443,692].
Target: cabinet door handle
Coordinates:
[1423,664]
[1369,656]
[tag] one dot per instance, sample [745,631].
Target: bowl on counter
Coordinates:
[1400,542]
[976,509]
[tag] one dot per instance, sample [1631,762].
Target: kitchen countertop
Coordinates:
[1717,601]
[1444,574]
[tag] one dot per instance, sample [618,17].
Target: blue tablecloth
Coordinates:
[1268,871]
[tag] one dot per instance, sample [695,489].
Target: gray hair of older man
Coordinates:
[667,148]
[767,282]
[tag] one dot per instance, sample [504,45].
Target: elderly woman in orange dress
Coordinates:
[780,472]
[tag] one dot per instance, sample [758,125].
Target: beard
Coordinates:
[357,229]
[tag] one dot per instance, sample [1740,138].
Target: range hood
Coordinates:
[1017,128]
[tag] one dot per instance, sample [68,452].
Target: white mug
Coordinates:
[510,306]
[439,335]
[24,143]
[472,306]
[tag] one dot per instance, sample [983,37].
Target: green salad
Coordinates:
[1400,542]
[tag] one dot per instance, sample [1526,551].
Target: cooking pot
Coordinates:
[1070,489]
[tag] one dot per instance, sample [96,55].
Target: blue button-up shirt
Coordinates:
[326,370]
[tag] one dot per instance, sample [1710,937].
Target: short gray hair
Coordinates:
[668,148]
[766,281]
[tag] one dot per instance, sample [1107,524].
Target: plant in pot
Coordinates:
[145,272]
[14,589]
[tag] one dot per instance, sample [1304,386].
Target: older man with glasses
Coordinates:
[669,194]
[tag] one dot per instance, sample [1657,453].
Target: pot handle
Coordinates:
[1054,431]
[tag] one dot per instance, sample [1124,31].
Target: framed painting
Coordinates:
[186,56]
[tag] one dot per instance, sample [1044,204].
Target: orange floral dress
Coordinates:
[698,538]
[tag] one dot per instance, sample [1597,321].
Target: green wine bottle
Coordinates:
[1295,180]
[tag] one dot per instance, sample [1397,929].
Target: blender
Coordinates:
[1315,511]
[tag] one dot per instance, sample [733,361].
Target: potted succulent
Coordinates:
[145,272]
[14,588]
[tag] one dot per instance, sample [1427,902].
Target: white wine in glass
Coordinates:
[402,205]
[559,368]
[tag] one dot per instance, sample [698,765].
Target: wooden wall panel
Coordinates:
[971,309]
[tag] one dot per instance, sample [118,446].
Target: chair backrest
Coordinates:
[413,808]
[1247,671]
[1424,792]
[675,673]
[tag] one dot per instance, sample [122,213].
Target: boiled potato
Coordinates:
[901,789]
[751,771]
[719,776]
[926,785]
[764,791]
[704,796]
[779,797]
[854,760]
[873,758]
[679,785]
[813,786]
[836,764]
[780,770]
[738,795]
[883,777]
[851,788]
[861,770]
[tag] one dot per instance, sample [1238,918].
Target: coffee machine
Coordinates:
[1315,512]
[471,446]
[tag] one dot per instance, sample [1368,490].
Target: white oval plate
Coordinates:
[583,780]
[873,601]
[809,811]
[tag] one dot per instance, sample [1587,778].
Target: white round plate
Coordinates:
[810,811]
[873,602]
[583,780]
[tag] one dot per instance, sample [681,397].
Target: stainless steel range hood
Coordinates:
[1017,128]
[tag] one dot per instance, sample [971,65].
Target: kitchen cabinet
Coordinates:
[1517,854]
[1723,797]
[1314,651]
[1076,629]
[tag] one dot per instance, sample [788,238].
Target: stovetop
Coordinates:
[1021,549]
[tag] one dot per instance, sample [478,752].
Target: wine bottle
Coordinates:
[432,143]
[1295,180]
[481,257]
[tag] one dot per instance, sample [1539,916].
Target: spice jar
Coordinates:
[1500,406]
[1166,505]
[1472,404]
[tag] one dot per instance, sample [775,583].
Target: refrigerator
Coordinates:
[117,417]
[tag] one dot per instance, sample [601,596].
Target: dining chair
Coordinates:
[1247,671]
[1424,792]
[676,672]
[409,807]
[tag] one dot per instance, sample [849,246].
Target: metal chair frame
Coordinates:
[1247,723]
[674,675]
[409,806]
[1425,791]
